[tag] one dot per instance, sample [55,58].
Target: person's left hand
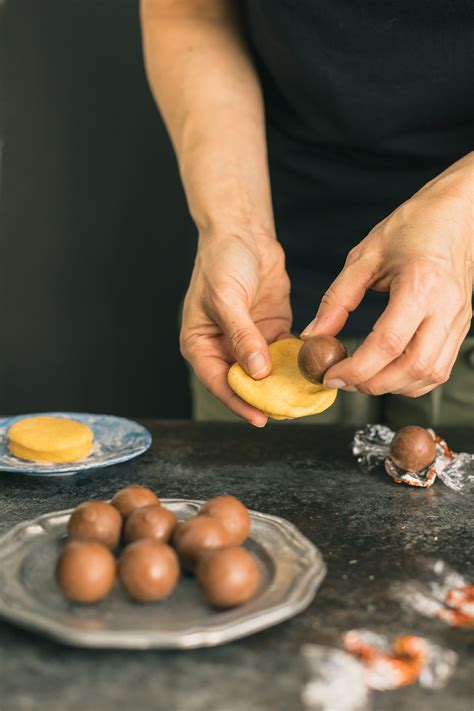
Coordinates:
[423,255]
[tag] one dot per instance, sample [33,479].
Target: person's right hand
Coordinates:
[238,301]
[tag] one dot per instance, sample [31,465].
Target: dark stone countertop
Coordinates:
[367,528]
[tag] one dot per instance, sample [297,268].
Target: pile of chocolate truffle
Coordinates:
[154,547]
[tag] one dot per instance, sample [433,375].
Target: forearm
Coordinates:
[206,87]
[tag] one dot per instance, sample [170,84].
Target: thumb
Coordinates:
[247,344]
[343,296]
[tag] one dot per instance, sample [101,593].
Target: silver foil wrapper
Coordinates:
[336,680]
[343,678]
[371,446]
[438,591]
[405,660]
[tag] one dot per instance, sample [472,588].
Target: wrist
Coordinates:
[223,207]
[228,187]
[232,226]
[458,181]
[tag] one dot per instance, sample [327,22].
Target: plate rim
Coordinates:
[294,603]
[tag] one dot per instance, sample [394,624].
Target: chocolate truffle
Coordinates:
[150,522]
[85,571]
[228,577]
[412,448]
[96,521]
[198,535]
[148,570]
[317,355]
[233,516]
[134,497]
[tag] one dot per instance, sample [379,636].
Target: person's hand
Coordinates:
[423,255]
[237,302]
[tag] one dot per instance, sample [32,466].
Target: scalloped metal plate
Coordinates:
[291,570]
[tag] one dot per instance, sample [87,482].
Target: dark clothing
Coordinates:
[366,102]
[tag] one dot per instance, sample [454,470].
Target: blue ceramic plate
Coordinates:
[115,440]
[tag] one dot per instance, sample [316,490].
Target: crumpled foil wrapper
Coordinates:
[371,446]
[343,678]
[438,591]
[406,660]
[337,680]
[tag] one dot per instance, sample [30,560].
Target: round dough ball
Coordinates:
[285,393]
[228,577]
[317,355]
[96,521]
[134,497]
[232,514]
[148,570]
[196,536]
[85,571]
[155,522]
[50,439]
[413,448]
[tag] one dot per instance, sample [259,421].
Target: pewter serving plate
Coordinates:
[116,440]
[291,569]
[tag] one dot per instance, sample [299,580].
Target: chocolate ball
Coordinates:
[196,536]
[96,521]
[413,448]
[134,497]
[232,514]
[148,570]
[317,355]
[85,571]
[228,577]
[155,522]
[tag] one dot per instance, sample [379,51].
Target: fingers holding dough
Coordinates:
[285,393]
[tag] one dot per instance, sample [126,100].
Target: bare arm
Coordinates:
[206,87]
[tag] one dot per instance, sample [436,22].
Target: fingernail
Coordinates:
[350,389]
[309,328]
[258,423]
[256,364]
[335,383]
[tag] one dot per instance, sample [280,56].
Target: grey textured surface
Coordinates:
[368,529]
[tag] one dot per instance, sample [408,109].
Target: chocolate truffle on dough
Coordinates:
[285,393]
[85,571]
[196,536]
[134,497]
[148,570]
[412,448]
[232,514]
[96,521]
[317,355]
[228,577]
[155,522]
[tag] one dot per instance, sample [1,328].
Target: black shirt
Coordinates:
[365,102]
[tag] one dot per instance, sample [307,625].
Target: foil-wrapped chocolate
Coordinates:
[371,446]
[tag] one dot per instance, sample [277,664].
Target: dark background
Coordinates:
[96,243]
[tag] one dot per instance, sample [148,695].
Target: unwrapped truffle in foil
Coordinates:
[371,446]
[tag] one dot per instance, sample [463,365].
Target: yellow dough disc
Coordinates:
[50,439]
[284,394]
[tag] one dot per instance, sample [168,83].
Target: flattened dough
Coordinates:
[284,394]
[50,439]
